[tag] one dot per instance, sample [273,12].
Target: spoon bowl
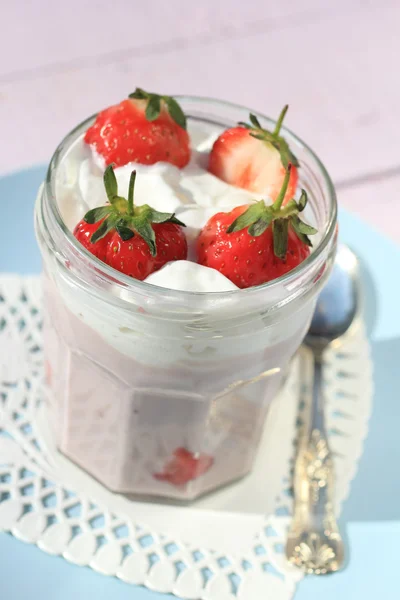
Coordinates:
[338,303]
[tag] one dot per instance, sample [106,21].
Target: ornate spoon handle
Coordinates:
[314,543]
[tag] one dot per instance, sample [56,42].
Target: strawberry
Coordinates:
[254,244]
[255,159]
[83,232]
[145,128]
[133,256]
[184,466]
[135,240]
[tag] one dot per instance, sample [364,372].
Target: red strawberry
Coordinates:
[83,233]
[133,256]
[146,128]
[255,159]
[254,244]
[133,240]
[184,466]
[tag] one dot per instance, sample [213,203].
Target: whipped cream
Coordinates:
[157,185]
[190,277]
[206,190]
[192,193]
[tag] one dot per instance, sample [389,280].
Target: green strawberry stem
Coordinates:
[280,120]
[281,196]
[122,216]
[259,216]
[272,138]
[131,192]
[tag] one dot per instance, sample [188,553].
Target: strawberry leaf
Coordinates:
[259,227]
[284,156]
[305,228]
[249,217]
[153,107]
[177,221]
[145,230]
[97,214]
[160,217]
[110,183]
[243,124]
[254,121]
[302,236]
[302,203]
[106,226]
[124,232]
[175,111]
[139,94]
[302,230]
[258,136]
[280,234]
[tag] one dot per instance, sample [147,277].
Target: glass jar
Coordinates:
[163,392]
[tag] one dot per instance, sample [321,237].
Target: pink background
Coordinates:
[335,63]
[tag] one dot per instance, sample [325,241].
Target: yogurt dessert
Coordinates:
[179,280]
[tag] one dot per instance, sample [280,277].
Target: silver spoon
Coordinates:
[314,542]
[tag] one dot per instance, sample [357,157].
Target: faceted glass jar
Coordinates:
[161,392]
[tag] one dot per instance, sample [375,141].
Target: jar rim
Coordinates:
[129,283]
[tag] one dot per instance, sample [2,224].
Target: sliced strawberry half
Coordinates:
[184,466]
[254,158]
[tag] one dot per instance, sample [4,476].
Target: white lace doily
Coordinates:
[46,500]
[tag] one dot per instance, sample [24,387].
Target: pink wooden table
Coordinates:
[335,63]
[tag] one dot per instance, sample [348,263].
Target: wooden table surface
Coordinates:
[335,63]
